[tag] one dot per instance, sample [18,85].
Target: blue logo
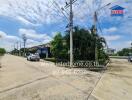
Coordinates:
[117,11]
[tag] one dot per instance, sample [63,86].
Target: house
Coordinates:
[43,50]
[110,51]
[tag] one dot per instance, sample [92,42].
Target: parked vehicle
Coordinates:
[130,57]
[33,57]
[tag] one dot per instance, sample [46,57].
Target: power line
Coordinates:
[59,8]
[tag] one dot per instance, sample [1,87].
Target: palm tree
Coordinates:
[84,44]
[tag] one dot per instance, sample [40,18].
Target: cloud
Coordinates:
[33,12]
[8,38]
[26,22]
[110,30]
[33,39]
[36,12]
[112,37]
[120,45]
[32,34]
[7,41]
[126,28]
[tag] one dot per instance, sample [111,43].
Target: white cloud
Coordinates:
[110,30]
[2,34]
[32,34]
[33,39]
[112,37]
[7,41]
[119,45]
[8,37]
[45,11]
[33,12]
[26,22]
[36,12]
[126,28]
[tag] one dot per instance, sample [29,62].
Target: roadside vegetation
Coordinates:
[83,46]
[84,43]
[2,51]
[124,52]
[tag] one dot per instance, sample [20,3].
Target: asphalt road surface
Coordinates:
[25,80]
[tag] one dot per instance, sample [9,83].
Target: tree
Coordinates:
[84,44]
[2,51]
[124,52]
[58,48]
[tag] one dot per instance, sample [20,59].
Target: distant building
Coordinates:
[110,51]
[43,50]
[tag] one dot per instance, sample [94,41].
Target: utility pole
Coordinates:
[95,32]
[17,48]
[14,49]
[24,42]
[131,47]
[95,29]
[20,49]
[71,34]
[70,26]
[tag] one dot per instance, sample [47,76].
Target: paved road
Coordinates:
[24,80]
[116,83]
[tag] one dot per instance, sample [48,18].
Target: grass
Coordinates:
[50,59]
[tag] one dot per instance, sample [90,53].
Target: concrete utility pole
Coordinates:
[131,47]
[71,34]
[95,28]
[24,42]
[17,48]
[20,49]
[70,26]
[95,32]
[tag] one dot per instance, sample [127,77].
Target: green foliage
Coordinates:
[50,59]
[2,51]
[124,52]
[58,49]
[83,45]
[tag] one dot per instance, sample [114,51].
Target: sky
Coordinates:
[40,20]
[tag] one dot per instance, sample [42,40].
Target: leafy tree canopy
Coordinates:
[124,52]
[2,51]
[83,45]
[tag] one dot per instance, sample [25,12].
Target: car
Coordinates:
[130,58]
[33,57]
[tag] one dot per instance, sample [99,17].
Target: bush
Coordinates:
[2,51]
[50,59]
